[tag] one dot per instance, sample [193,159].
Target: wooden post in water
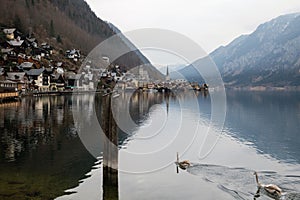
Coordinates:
[110,151]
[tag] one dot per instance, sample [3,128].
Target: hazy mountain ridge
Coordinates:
[270,56]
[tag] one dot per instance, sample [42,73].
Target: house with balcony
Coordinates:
[19,78]
[74,81]
[57,82]
[38,79]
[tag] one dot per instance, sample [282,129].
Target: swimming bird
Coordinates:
[271,190]
[183,164]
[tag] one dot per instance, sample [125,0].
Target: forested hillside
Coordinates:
[64,24]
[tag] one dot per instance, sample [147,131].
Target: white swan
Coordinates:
[270,189]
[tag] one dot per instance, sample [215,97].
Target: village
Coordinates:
[28,67]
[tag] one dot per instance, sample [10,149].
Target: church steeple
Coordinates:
[167,75]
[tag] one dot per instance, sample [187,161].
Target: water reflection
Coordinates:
[115,135]
[268,120]
[41,154]
[215,181]
[138,104]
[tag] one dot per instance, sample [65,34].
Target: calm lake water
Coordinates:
[94,147]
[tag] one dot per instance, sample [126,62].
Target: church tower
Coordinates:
[167,75]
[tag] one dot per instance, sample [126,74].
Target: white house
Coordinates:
[40,80]
[9,32]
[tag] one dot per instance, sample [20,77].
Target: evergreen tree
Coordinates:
[27,3]
[58,39]
[18,23]
[52,31]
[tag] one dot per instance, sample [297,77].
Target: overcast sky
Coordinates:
[210,23]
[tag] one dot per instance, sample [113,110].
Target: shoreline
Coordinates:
[78,92]
[264,88]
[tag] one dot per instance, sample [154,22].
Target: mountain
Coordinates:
[64,24]
[152,71]
[270,56]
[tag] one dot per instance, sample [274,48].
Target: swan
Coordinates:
[183,164]
[270,189]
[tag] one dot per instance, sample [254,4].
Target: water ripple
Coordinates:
[240,182]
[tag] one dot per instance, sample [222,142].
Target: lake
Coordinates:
[89,146]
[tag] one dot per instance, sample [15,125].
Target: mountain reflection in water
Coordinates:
[43,156]
[268,120]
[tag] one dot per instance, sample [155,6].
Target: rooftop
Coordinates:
[35,72]
[9,30]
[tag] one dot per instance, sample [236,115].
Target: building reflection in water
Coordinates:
[41,154]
